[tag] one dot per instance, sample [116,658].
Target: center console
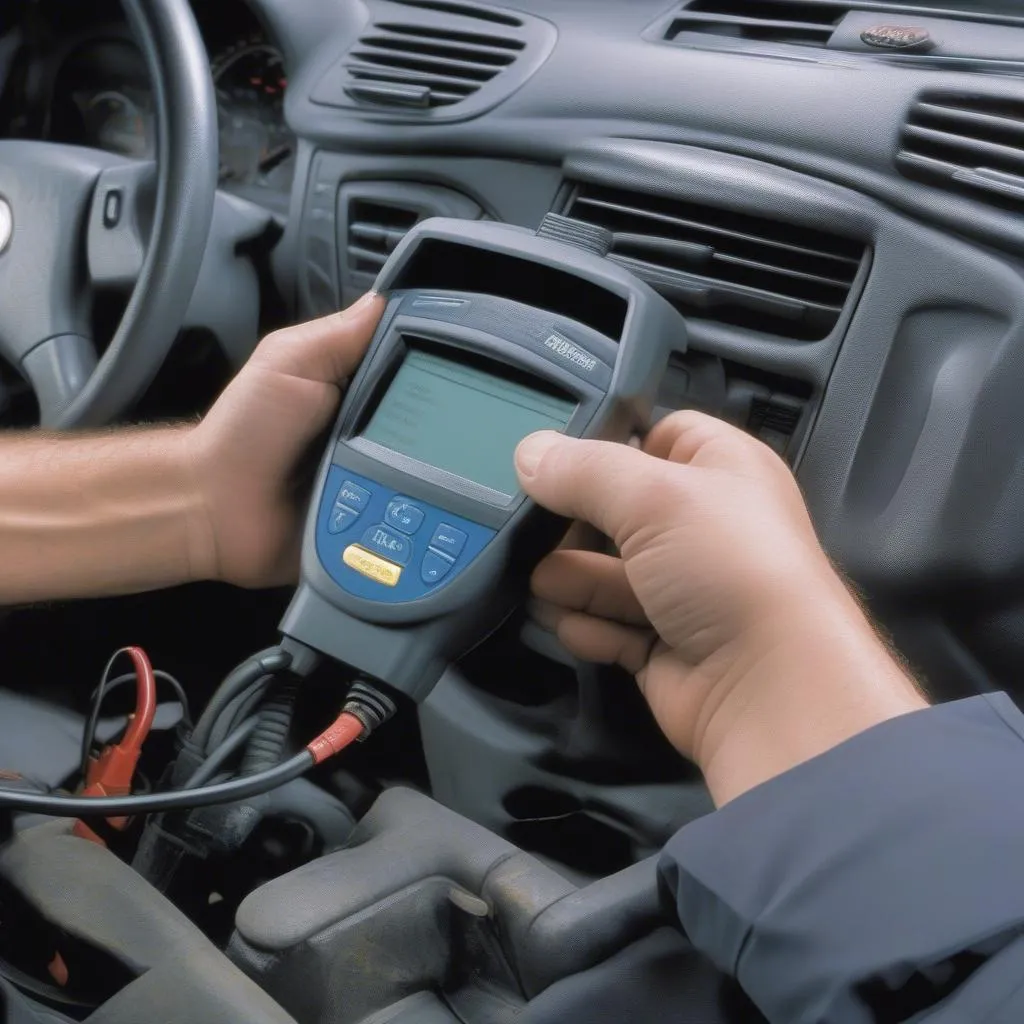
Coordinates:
[422,918]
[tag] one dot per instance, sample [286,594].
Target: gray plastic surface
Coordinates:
[378,921]
[87,892]
[226,298]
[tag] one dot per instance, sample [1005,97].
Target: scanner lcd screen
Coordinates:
[462,419]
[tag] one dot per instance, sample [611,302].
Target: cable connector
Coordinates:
[371,706]
[343,732]
[366,710]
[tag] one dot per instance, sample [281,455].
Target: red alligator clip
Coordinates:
[111,773]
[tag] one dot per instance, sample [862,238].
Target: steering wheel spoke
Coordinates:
[120,221]
[44,302]
[58,369]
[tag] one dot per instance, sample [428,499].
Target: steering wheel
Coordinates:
[74,220]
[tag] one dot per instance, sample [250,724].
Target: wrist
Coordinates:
[200,522]
[810,675]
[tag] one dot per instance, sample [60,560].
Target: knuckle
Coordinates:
[659,494]
[664,489]
[691,420]
[276,340]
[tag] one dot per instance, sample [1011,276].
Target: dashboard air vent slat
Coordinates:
[774,21]
[996,125]
[464,11]
[731,267]
[480,43]
[733,229]
[995,150]
[965,142]
[374,231]
[428,60]
[411,76]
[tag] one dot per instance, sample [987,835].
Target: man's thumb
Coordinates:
[603,483]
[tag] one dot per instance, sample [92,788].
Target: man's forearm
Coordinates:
[99,514]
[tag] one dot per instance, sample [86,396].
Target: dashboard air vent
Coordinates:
[411,66]
[434,60]
[797,22]
[374,231]
[774,420]
[729,267]
[973,143]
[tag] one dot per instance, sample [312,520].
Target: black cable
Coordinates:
[112,807]
[219,756]
[268,662]
[267,744]
[241,707]
[89,733]
[161,677]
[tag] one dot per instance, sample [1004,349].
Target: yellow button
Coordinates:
[371,565]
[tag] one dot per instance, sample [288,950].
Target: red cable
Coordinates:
[111,773]
[333,740]
[145,700]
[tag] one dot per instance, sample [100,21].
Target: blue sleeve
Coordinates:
[883,880]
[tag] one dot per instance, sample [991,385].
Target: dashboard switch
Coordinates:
[113,204]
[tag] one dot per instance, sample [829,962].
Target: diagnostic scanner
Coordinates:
[419,541]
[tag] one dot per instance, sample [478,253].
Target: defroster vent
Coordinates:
[795,22]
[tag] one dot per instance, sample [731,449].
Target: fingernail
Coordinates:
[533,448]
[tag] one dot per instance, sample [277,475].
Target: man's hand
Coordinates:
[246,454]
[750,650]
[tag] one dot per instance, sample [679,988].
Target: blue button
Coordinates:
[341,519]
[435,567]
[354,496]
[448,540]
[389,543]
[404,515]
